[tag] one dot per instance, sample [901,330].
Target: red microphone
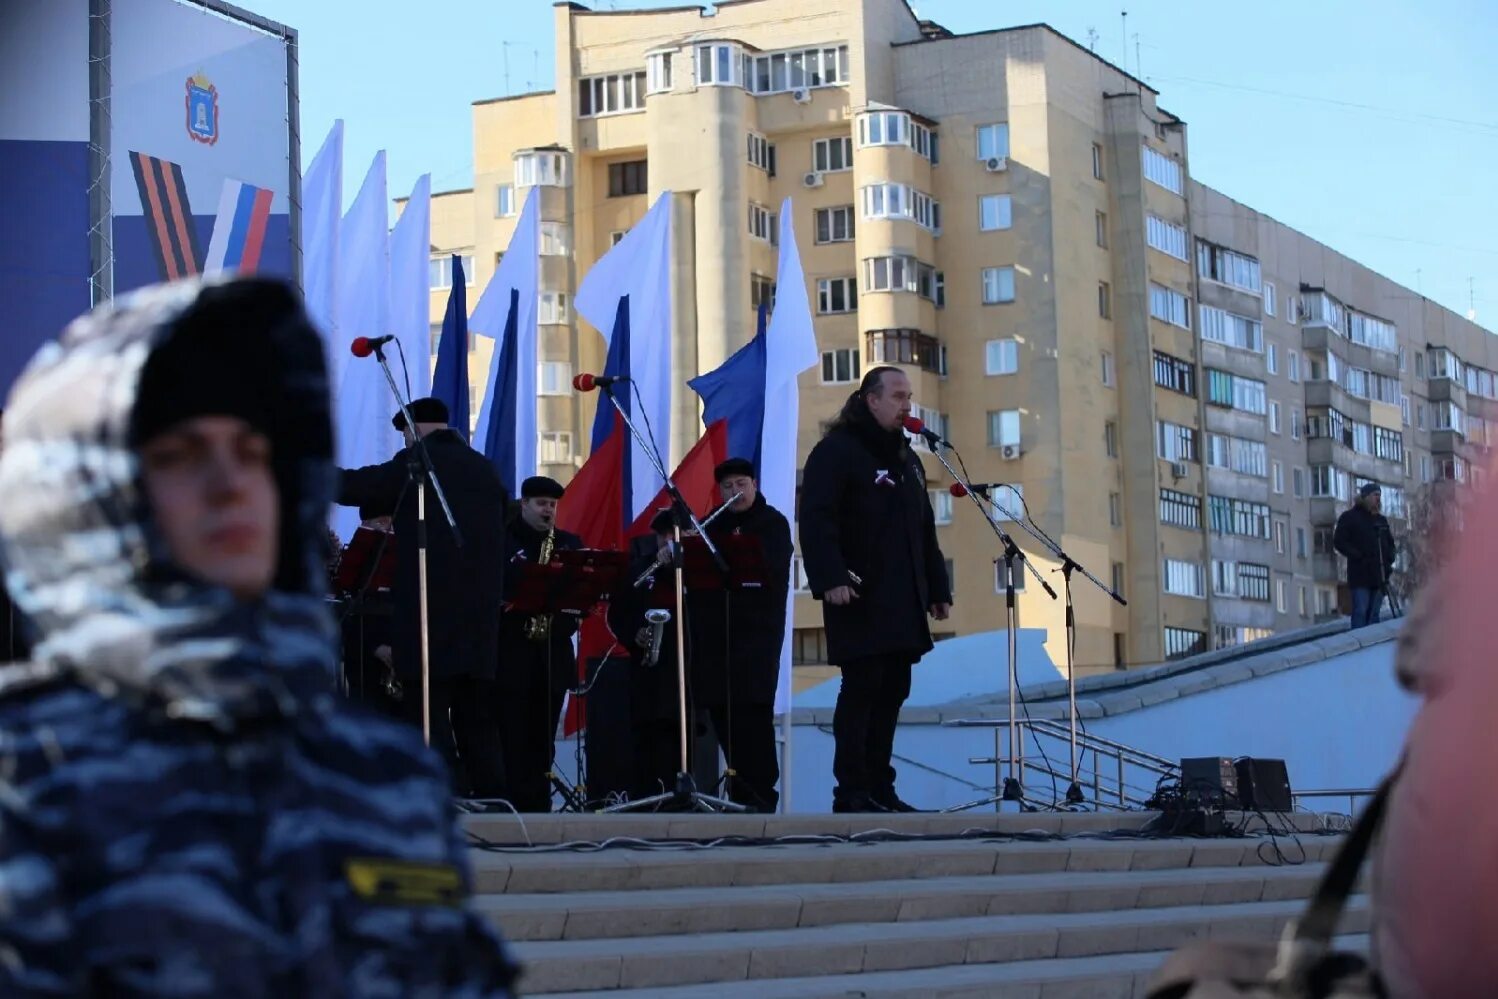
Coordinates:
[588,383]
[957,489]
[912,425]
[918,427]
[363,346]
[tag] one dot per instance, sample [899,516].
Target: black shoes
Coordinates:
[890,802]
[857,802]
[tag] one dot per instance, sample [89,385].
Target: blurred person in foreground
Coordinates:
[187,807]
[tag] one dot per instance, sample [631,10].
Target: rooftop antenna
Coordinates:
[1092,37]
[1138,62]
[1471,300]
[1125,16]
[504,48]
[1419,285]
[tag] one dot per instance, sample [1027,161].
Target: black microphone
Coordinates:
[587,383]
[363,346]
[915,426]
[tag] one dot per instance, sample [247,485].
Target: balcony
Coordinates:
[905,346]
[1328,451]
[1446,441]
[1447,390]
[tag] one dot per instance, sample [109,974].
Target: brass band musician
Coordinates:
[537,664]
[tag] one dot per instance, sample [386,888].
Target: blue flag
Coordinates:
[450,379]
[499,435]
[735,392]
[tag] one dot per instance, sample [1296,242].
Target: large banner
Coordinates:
[201,152]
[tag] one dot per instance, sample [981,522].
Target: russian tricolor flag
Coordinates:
[239,230]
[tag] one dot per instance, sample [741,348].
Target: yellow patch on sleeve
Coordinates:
[404,882]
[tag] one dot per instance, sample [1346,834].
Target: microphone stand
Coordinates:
[1074,790]
[424,472]
[1013,789]
[685,795]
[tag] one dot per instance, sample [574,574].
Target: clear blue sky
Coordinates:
[1369,124]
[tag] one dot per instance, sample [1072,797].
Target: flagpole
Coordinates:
[785,760]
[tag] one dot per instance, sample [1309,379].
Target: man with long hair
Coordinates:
[868,538]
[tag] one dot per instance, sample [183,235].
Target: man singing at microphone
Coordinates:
[868,538]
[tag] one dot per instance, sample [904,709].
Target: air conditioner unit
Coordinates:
[801,95]
[1178,469]
[1010,452]
[812,179]
[996,164]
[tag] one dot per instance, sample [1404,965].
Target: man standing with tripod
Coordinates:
[1364,539]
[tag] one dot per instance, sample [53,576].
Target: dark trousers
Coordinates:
[657,753]
[464,731]
[863,724]
[528,716]
[748,743]
[1365,606]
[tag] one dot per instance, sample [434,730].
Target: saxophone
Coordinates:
[538,626]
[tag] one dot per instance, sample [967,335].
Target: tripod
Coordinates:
[423,472]
[684,796]
[1015,564]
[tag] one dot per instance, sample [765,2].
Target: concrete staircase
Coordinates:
[962,905]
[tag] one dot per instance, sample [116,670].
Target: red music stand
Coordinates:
[743,553]
[573,582]
[357,569]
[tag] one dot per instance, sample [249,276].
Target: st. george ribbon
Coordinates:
[975,489]
[423,471]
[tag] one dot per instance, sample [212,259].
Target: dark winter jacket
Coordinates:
[653,689]
[751,637]
[865,511]
[524,663]
[187,806]
[464,584]
[1364,539]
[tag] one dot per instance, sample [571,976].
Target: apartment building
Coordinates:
[1180,391]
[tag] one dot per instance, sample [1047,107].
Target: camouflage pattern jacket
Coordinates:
[187,806]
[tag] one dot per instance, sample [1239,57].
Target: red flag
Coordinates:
[592,507]
[694,477]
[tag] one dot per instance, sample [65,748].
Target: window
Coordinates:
[1274,417]
[832,155]
[1183,642]
[1115,509]
[554,447]
[615,94]
[1270,302]
[1253,582]
[1292,366]
[1277,476]
[761,153]
[761,292]
[941,506]
[1224,578]
[1221,326]
[1279,537]
[1020,572]
[627,178]
[837,295]
[1300,542]
[1419,416]
[809,644]
[1298,482]
[658,72]
[1166,237]
[1101,221]
[993,140]
[1370,332]
[834,225]
[897,201]
[1279,596]
[1272,358]
[1184,579]
[901,346]
[1218,263]
[537,168]
[939,289]
[1104,300]
[995,211]
[924,142]
[719,66]
[1300,600]
[1180,509]
[1162,170]
[762,224]
[1425,468]
[1170,306]
[840,366]
[1110,439]
[554,239]
[884,128]
[1007,501]
[1388,444]
[1243,456]
[774,73]
[552,307]
[1120,577]
[1241,517]
[616,237]
[554,378]
[1175,442]
[1448,416]
[441,270]
[1175,374]
[1105,365]
[1294,423]
[1236,392]
[998,285]
[1001,357]
[891,274]
[504,201]
[1328,481]
[1097,161]
[1419,364]
[1003,428]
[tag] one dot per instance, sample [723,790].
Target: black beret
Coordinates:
[733,466]
[540,487]
[426,410]
[1369,487]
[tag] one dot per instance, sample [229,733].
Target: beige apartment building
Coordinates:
[1181,391]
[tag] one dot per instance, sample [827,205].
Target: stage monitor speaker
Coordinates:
[1264,785]
[1210,780]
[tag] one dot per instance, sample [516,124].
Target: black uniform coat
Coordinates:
[865,509]
[653,689]
[1364,539]
[752,637]
[465,584]
[522,660]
